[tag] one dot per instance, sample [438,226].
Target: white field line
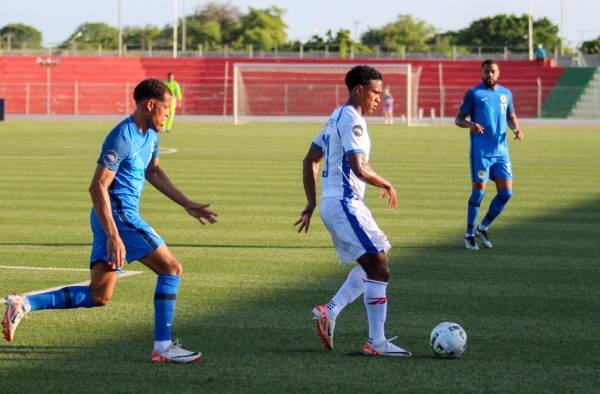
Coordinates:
[166,151]
[123,274]
[161,150]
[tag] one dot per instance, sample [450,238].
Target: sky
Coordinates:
[58,19]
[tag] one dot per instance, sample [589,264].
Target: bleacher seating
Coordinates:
[103,85]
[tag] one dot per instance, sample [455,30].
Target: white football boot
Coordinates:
[176,354]
[385,348]
[16,309]
[325,326]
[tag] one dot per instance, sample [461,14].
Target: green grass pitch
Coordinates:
[530,305]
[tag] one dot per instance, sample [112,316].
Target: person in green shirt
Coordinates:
[176,99]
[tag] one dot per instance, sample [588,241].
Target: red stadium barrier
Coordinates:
[103,85]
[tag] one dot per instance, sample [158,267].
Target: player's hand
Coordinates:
[201,212]
[389,193]
[304,222]
[116,252]
[519,135]
[476,128]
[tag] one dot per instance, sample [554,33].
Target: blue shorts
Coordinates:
[486,168]
[139,238]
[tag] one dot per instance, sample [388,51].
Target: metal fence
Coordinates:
[325,52]
[217,99]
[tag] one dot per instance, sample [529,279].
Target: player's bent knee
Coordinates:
[505,195]
[101,299]
[173,267]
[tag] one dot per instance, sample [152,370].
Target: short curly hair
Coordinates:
[150,88]
[361,75]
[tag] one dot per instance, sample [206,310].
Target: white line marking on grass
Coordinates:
[25,267]
[161,150]
[166,151]
[123,274]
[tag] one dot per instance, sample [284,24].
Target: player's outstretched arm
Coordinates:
[362,169]
[513,123]
[461,121]
[310,169]
[159,179]
[103,177]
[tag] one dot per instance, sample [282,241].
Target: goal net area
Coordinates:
[271,90]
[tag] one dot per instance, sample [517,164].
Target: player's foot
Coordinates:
[386,348]
[16,310]
[325,326]
[470,242]
[176,354]
[484,237]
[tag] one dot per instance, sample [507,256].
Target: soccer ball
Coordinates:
[448,340]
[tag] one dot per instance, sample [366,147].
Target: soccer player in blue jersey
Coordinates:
[490,109]
[128,158]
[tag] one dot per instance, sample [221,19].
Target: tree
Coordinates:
[591,47]
[506,30]
[263,28]
[20,36]
[142,37]
[411,33]
[211,26]
[91,35]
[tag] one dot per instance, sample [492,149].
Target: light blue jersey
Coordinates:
[491,108]
[128,152]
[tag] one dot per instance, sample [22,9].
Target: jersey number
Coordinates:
[326,154]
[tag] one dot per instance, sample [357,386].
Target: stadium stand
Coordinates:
[103,85]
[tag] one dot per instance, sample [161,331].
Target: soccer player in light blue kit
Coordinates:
[490,110]
[128,158]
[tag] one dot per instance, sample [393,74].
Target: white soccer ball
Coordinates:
[448,340]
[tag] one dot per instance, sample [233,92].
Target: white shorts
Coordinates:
[353,229]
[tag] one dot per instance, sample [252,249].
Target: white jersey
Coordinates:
[344,134]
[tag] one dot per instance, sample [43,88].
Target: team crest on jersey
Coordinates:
[481,174]
[357,130]
[110,157]
[503,99]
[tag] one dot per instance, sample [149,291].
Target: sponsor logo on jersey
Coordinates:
[481,174]
[357,130]
[110,157]
[503,99]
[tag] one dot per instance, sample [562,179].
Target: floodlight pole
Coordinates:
[562,26]
[183,28]
[175,28]
[48,63]
[120,13]
[530,30]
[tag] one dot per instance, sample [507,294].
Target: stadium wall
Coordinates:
[104,85]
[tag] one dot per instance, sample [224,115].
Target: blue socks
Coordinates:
[496,207]
[473,209]
[165,297]
[65,298]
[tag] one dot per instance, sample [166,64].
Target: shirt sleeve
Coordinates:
[511,107]
[352,135]
[115,149]
[466,108]
[155,148]
[317,142]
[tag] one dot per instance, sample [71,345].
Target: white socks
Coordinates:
[353,287]
[376,304]
[161,346]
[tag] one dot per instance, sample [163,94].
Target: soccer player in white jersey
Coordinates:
[344,147]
